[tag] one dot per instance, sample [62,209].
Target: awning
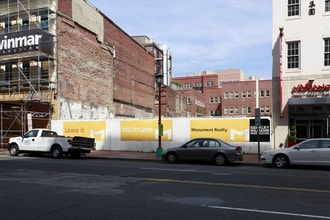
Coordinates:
[309,101]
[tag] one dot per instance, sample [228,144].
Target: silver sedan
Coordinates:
[204,149]
[309,152]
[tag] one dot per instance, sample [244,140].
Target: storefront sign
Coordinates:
[26,41]
[310,90]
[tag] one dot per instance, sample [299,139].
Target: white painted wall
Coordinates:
[310,30]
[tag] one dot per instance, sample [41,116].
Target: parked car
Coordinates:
[204,149]
[308,152]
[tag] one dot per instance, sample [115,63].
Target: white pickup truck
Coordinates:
[47,141]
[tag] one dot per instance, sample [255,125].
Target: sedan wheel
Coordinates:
[220,159]
[171,157]
[281,161]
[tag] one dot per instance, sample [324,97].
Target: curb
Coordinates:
[133,157]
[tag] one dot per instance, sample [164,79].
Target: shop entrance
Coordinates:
[312,128]
[311,121]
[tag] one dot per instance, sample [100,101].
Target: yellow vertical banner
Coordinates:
[231,130]
[144,130]
[91,129]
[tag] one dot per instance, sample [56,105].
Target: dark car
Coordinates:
[204,149]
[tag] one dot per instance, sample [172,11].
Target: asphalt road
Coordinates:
[46,188]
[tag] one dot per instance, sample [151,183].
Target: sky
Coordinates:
[203,35]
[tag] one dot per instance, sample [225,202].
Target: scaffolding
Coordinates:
[27,74]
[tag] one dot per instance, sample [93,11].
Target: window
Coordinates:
[308,144]
[249,94]
[262,93]
[327,52]
[262,109]
[325,144]
[211,100]
[32,133]
[226,95]
[236,110]
[293,8]
[186,85]
[225,111]
[209,83]
[231,95]
[26,69]
[8,72]
[243,94]
[236,95]
[327,5]
[25,24]
[293,55]
[249,110]
[7,27]
[188,101]
[44,23]
[198,85]
[243,110]
[231,110]
[267,109]
[267,93]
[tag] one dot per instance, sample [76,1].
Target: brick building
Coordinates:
[225,93]
[240,98]
[64,59]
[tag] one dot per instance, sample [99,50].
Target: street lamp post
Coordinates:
[159,81]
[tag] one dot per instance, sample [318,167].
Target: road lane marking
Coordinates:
[237,185]
[270,212]
[175,170]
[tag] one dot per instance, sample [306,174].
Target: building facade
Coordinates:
[225,93]
[243,97]
[64,59]
[301,70]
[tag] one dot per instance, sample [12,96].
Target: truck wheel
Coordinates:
[13,150]
[56,152]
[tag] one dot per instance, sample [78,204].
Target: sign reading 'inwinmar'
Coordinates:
[26,41]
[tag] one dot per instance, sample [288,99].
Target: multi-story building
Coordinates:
[243,97]
[64,59]
[301,69]
[225,93]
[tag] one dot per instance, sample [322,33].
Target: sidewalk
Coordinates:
[128,155]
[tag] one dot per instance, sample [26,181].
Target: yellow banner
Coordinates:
[231,130]
[144,130]
[91,129]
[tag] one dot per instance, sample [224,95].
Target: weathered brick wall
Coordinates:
[84,66]
[65,7]
[88,74]
[134,78]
